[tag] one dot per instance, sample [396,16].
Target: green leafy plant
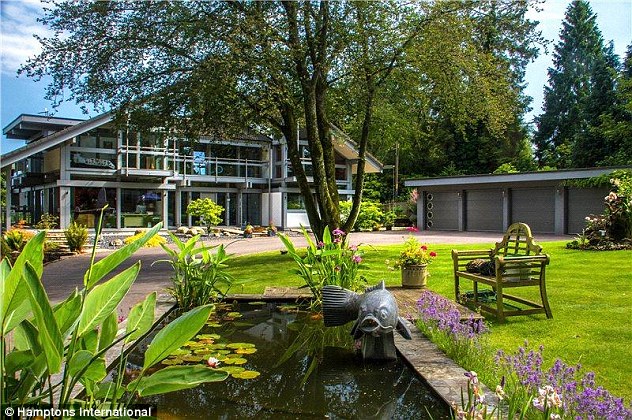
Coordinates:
[389,219]
[200,275]
[16,239]
[47,221]
[414,253]
[76,236]
[207,210]
[55,348]
[370,214]
[331,261]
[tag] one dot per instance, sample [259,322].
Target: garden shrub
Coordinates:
[613,228]
[76,236]
[370,214]
[16,239]
[207,210]
[47,221]
[155,240]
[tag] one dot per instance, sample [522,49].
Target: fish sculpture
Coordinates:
[375,314]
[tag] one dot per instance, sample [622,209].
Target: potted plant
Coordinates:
[272,230]
[413,261]
[248,231]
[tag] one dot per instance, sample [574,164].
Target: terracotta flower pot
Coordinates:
[415,276]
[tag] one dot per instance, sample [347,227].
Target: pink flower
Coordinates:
[424,247]
[212,362]
[338,232]
[356,259]
[433,254]
[412,229]
[353,248]
[320,244]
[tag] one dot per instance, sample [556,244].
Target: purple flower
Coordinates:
[338,232]
[356,259]
[320,245]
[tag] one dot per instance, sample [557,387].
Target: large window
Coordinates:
[141,208]
[87,205]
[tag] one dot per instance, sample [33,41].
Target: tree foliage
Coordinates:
[581,88]
[444,77]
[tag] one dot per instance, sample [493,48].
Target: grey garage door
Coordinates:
[484,210]
[535,207]
[442,211]
[581,203]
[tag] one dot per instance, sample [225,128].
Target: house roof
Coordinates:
[32,127]
[525,177]
[52,140]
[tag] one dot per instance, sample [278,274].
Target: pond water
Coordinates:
[305,371]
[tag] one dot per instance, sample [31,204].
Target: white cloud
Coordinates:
[19,24]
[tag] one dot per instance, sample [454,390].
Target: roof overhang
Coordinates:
[53,140]
[32,127]
[491,180]
[349,150]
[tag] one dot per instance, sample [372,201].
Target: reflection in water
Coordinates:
[307,371]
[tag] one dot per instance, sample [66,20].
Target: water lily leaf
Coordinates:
[208,336]
[213,324]
[234,315]
[256,303]
[192,358]
[240,345]
[232,356]
[236,361]
[232,369]
[217,346]
[190,343]
[203,351]
[170,362]
[246,351]
[223,352]
[246,374]
[180,352]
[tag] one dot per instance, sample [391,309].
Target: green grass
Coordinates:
[590,295]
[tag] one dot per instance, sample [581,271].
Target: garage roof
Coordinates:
[525,177]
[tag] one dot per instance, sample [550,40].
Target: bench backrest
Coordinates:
[517,241]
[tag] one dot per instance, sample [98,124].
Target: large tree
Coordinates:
[580,89]
[203,67]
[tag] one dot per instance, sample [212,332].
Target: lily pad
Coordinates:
[213,324]
[236,361]
[180,352]
[208,336]
[234,315]
[232,356]
[193,358]
[240,346]
[223,352]
[217,346]
[246,374]
[232,369]
[203,351]
[246,351]
[169,362]
[259,303]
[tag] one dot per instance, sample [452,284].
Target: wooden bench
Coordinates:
[518,262]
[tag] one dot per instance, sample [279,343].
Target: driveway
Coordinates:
[62,276]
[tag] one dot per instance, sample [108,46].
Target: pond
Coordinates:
[287,365]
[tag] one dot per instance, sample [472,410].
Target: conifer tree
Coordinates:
[581,66]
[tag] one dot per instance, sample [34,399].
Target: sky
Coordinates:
[21,95]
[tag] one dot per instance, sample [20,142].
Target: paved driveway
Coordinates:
[61,277]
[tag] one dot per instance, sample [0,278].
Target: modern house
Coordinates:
[548,202]
[71,167]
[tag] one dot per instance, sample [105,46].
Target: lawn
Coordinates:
[590,295]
